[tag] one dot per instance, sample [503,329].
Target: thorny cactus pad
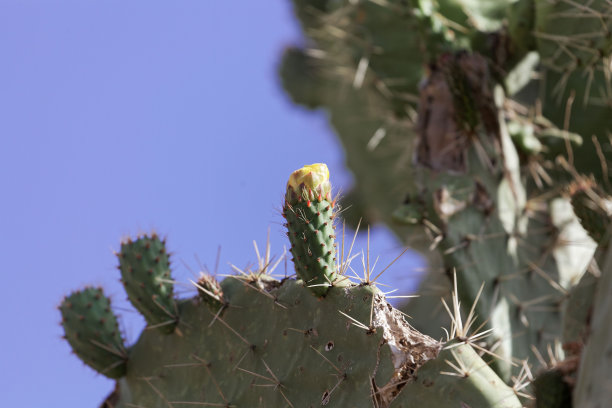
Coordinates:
[283,347]
[92,330]
[145,273]
[595,372]
[309,211]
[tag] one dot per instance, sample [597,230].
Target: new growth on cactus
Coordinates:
[145,273]
[92,330]
[309,211]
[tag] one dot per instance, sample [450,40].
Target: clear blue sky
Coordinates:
[118,117]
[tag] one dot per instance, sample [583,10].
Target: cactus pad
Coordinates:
[145,273]
[309,211]
[284,347]
[92,330]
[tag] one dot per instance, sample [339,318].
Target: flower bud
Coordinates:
[311,182]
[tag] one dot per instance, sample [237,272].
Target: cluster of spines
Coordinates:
[573,35]
[145,274]
[210,291]
[92,330]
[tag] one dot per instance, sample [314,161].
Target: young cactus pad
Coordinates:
[309,211]
[145,273]
[91,329]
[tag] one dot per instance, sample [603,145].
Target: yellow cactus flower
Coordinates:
[309,182]
[311,175]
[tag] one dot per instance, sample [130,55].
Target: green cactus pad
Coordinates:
[578,310]
[581,105]
[312,236]
[309,211]
[572,35]
[293,350]
[595,373]
[283,347]
[91,329]
[294,69]
[592,207]
[145,273]
[551,390]
[574,39]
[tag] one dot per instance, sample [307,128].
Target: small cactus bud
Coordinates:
[309,183]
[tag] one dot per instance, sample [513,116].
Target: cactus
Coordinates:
[595,371]
[309,211]
[575,46]
[145,273]
[279,350]
[251,340]
[591,206]
[480,132]
[92,330]
[485,129]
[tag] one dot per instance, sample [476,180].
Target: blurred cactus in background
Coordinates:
[480,133]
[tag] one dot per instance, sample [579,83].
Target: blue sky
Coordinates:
[121,117]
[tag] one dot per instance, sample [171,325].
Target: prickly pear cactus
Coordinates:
[484,128]
[251,340]
[480,131]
